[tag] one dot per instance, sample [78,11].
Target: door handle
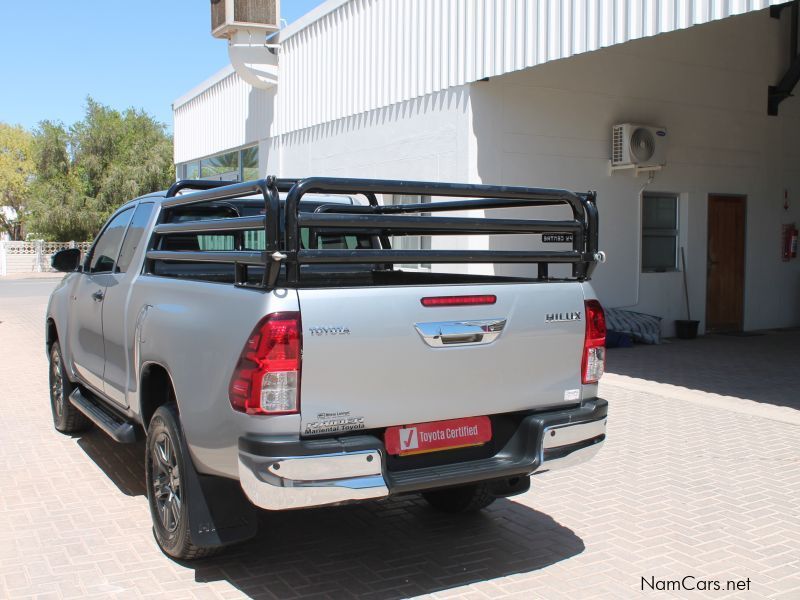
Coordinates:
[98,296]
[466,333]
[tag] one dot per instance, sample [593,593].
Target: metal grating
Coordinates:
[368,54]
[617,144]
[261,12]
[217,13]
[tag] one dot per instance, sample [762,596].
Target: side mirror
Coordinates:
[66,260]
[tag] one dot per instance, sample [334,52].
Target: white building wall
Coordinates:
[352,56]
[550,126]
[223,113]
[423,139]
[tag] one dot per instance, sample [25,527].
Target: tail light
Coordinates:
[594,345]
[267,377]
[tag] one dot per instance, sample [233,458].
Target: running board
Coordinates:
[104,417]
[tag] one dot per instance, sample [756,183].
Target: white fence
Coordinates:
[32,257]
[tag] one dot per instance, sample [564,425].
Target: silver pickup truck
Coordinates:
[282,344]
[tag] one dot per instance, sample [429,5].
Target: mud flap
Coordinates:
[219,512]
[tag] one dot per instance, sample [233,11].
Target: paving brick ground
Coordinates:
[682,487]
[760,366]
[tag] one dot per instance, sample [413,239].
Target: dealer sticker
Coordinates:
[438,435]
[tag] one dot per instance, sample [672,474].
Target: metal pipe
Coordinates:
[193,184]
[434,256]
[232,224]
[467,204]
[209,256]
[225,192]
[272,232]
[455,225]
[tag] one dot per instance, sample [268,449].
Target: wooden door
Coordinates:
[725,288]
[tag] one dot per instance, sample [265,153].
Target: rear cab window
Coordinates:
[251,240]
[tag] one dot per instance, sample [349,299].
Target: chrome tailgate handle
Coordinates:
[440,334]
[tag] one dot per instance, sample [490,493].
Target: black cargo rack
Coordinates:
[283,244]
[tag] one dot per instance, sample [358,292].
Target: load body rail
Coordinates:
[283,222]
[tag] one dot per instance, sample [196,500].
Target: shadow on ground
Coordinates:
[760,367]
[122,463]
[384,550]
[387,550]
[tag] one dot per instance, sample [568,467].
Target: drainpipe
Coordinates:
[254,60]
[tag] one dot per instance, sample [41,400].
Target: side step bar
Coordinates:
[104,417]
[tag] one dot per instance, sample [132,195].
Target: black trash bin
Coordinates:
[686,329]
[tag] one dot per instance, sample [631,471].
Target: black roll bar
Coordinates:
[193,184]
[283,245]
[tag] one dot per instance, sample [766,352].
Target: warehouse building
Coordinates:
[528,93]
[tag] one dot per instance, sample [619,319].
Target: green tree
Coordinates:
[86,172]
[16,173]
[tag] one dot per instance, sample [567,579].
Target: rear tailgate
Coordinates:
[367,365]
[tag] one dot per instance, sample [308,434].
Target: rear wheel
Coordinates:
[165,465]
[66,418]
[464,499]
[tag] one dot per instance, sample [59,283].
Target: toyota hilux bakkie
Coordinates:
[285,344]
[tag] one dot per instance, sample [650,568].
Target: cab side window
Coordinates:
[106,248]
[134,236]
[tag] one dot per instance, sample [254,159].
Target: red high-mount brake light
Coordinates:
[594,344]
[266,380]
[458,300]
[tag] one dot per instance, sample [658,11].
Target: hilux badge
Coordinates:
[562,317]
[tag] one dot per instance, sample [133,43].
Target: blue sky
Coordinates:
[54,53]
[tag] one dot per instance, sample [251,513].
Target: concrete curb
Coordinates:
[784,414]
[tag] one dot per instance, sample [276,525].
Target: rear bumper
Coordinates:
[280,475]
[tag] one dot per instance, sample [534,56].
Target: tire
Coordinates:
[66,418]
[459,500]
[165,464]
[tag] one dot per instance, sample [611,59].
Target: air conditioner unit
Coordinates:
[638,146]
[228,16]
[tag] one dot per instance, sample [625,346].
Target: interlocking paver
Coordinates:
[686,486]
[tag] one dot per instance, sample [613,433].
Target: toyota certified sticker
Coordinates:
[438,435]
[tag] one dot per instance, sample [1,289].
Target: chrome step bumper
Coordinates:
[281,475]
[571,444]
[301,481]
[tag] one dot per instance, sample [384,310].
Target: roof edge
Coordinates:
[224,72]
[307,19]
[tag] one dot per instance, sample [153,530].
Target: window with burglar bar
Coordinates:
[659,232]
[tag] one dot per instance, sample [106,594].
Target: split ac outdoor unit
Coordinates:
[228,16]
[638,146]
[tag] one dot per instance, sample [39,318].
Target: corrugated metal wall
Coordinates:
[228,114]
[372,53]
